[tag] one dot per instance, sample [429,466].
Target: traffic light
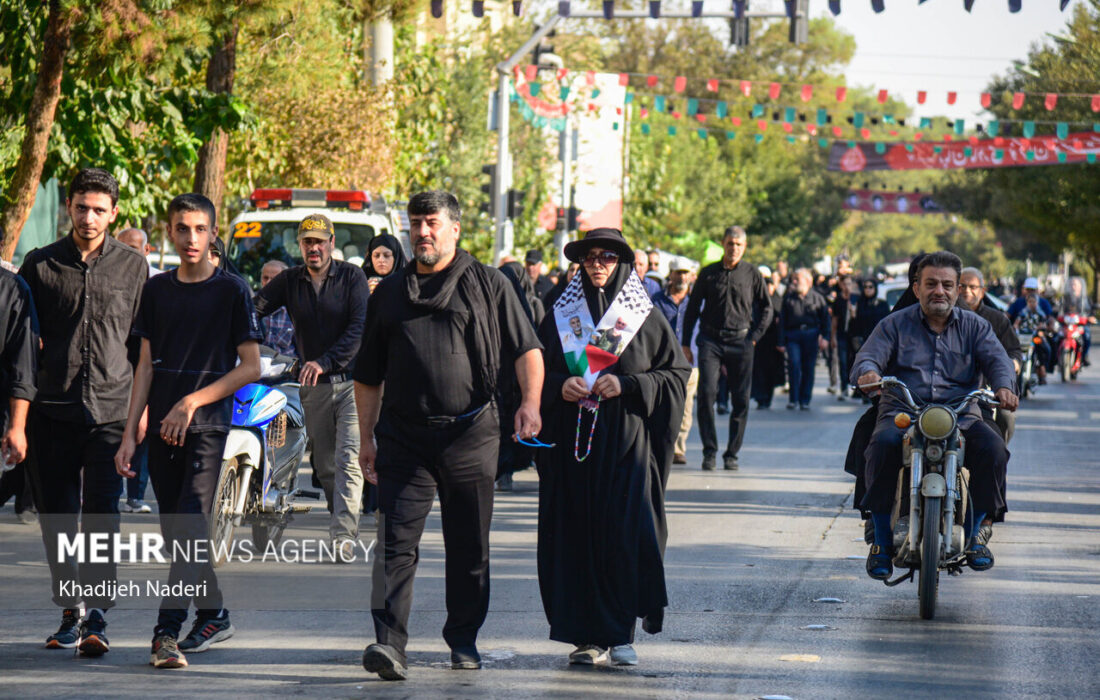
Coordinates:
[570,223]
[489,206]
[515,203]
[739,25]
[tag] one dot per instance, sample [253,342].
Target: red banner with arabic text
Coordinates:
[988,153]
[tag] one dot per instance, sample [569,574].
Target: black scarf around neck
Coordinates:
[471,280]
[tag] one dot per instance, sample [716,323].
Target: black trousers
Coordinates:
[736,357]
[986,458]
[460,462]
[184,479]
[71,467]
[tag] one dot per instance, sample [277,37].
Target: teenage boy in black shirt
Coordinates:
[194,323]
[85,288]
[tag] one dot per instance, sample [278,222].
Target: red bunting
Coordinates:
[531,72]
[773,91]
[788,127]
[1051,101]
[922,95]
[624,79]
[562,72]
[947,137]
[807,93]
[651,81]
[986,99]
[644,112]
[918,136]
[1096,103]
[762,125]
[951,97]
[837,132]
[700,118]
[812,129]
[680,83]
[999,141]
[712,85]
[865,133]
[736,121]
[882,95]
[746,88]
[590,77]
[1017,100]
[841,94]
[1078,144]
[618,110]
[676,115]
[894,133]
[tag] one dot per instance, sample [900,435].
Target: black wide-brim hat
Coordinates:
[606,238]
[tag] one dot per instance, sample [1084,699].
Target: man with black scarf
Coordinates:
[439,333]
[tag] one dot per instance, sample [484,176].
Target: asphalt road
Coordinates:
[750,558]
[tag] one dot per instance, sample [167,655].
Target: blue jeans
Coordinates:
[139,463]
[801,357]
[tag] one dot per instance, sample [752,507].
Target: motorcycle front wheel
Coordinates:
[221,512]
[929,583]
[1067,365]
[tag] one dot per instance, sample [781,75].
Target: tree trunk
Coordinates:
[40,117]
[210,170]
[381,41]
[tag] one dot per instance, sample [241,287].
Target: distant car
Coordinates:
[891,291]
[269,229]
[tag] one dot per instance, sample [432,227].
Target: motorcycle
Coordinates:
[1028,376]
[1070,352]
[264,448]
[933,536]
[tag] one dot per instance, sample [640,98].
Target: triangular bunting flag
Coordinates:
[841,94]
[986,99]
[951,97]
[1017,100]
[624,79]
[773,91]
[712,85]
[882,96]
[807,93]
[680,83]
[1051,101]
[922,96]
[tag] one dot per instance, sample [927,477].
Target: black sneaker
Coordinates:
[93,638]
[68,634]
[708,463]
[385,661]
[730,463]
[166,653]
[465,659]
[205,632]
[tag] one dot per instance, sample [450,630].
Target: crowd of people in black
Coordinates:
[593,375]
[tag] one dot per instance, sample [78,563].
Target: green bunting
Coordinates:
[1029,129]
[757,111]
[702,134]
[824,143]
[909,147]
[1030,155]
[880,148]
[645,129]
[595,93]
[563,93]
[759,138]
[721,110]
[960,126]
[1062,130]
[671,130]
[994,128]
[535,88]
[1061,156]
[731,135]
[968,151]
[925,123]
[999,154]
[857,120]
[614,126]
[822,116]
[659,103]
[790,139]
[693,106]
[789,115]
[1091,158]
[937,149]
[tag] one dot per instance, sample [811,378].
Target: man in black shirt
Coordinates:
[532,264]
[437,335]
[804,329]
[731,304]
[327,303]
[86,289]
[194,323]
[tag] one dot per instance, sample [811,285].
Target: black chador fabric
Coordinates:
[385,240]
[602,528]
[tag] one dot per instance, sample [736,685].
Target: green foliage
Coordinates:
[1045,208]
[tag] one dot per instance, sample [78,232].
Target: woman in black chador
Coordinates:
[602,527]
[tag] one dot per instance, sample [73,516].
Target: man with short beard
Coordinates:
[86,289]
[436,339]
[942,353]
[327,303]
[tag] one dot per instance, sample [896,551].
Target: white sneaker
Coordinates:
[623,655]
[588,655]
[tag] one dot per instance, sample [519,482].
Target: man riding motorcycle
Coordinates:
[942,353]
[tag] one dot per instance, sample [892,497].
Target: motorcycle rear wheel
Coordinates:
[221,511]
[929,580]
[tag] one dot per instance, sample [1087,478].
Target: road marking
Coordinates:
[829,600]
[801,658]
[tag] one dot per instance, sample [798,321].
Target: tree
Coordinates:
[1056,206]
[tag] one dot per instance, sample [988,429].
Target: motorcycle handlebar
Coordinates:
[984,395]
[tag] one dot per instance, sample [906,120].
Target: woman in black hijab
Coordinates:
[384,255]
[602,528]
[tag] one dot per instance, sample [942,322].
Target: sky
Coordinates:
[939,46]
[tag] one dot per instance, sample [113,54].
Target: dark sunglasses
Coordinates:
[607,257]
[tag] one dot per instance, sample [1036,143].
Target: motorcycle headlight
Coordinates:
[936,422]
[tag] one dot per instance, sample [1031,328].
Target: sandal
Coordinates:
[879,566]
[978,557]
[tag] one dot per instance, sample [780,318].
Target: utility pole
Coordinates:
[561,236]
